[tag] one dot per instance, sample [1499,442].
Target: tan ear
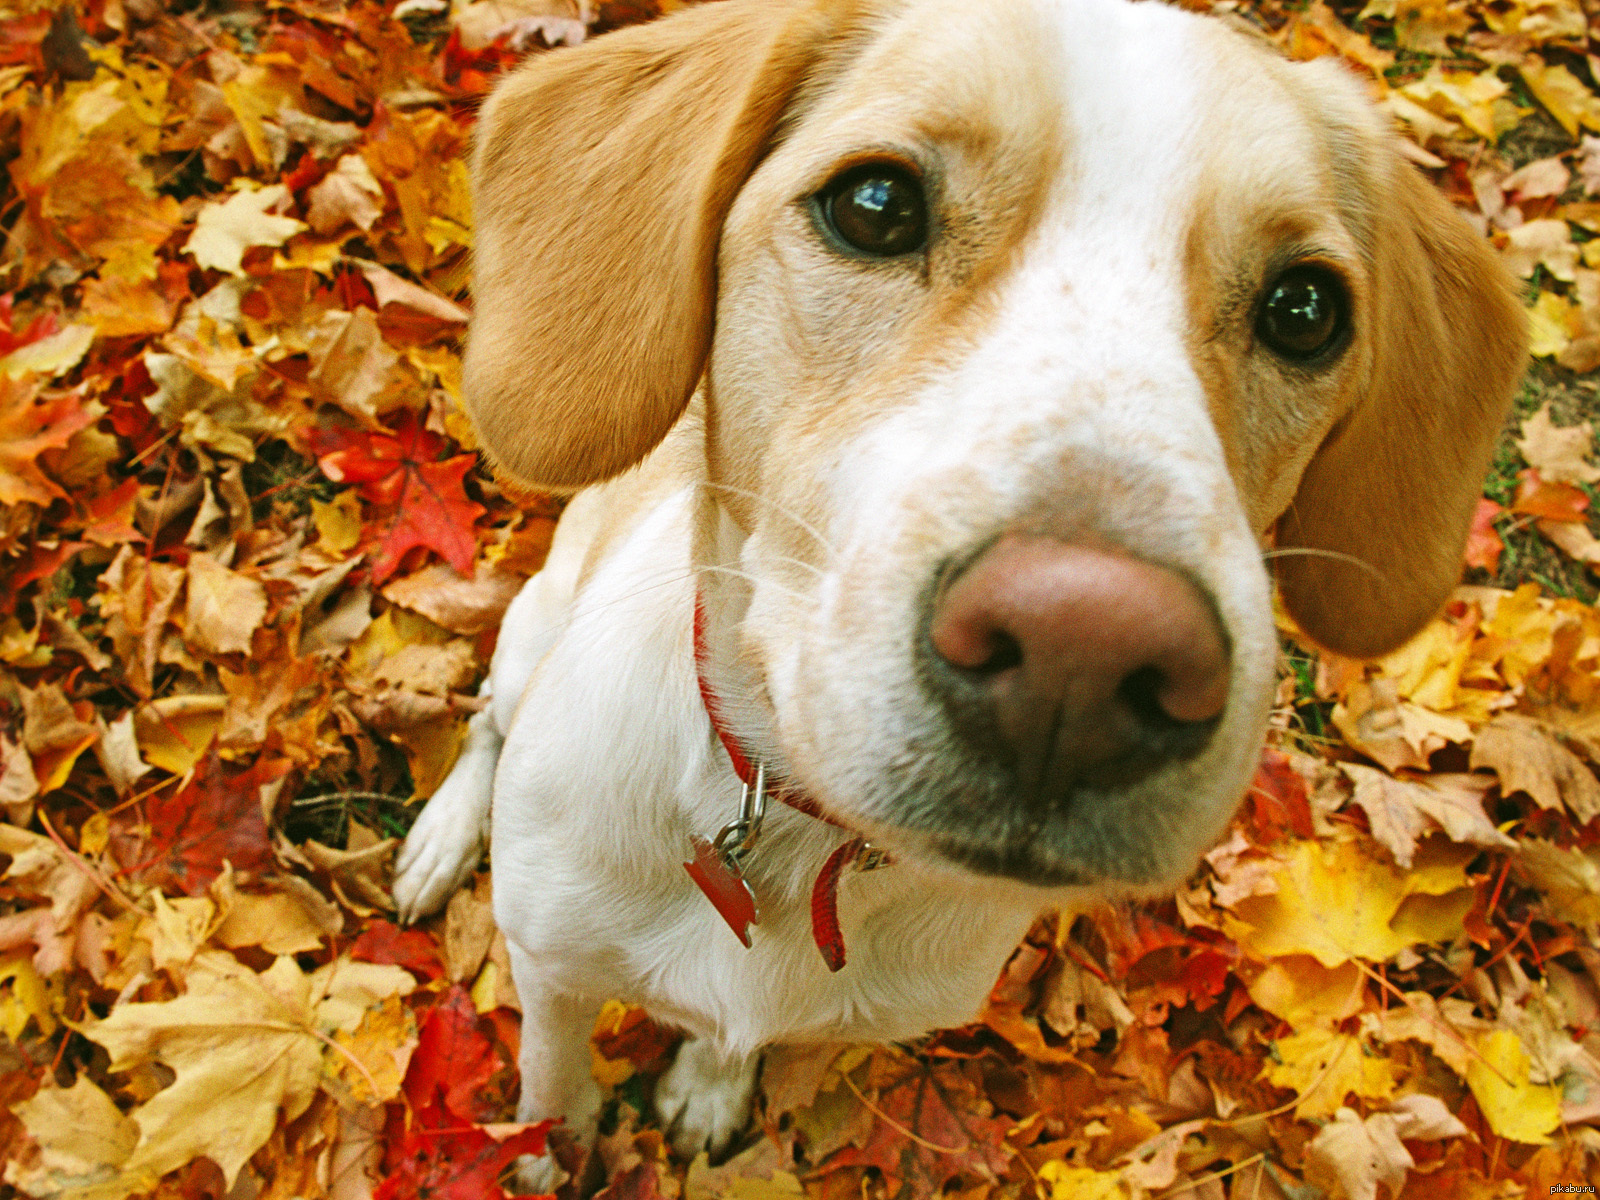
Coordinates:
[1395,483]
[601,178]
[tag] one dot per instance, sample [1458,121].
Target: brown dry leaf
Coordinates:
[1350,1157]
[1569,878]
[1395,733]
[351,364]
[448,599]
[1402,810]
[136,599]
[1546,242]
[358,875]
[55,732]
[468,929]
[18,784]
[39,868]
[1542,177]
[349,193]
[390,288]
[1558,453]
[1574,540]
[1528,757]
[118,753]
[224,608]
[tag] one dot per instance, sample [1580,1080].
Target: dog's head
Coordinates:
[1022,328]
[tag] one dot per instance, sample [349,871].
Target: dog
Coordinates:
[939,377]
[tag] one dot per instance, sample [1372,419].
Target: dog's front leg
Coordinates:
[704,1098]
[446,844]
[554,1063]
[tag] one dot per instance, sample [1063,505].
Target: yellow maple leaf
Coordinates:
[83,1142]
[241,1046]
[1324,1066]
[1339,901]
[1514,1106]
[1563,95]
[1067,1182]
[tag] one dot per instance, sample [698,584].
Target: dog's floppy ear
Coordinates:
[601,178]
[1395,483]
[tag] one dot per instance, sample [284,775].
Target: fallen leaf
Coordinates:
[214,818]
[1558,453]
[31,423]
[225,229]
[1551,501]
[1402,810]
[349,193]
[1528,757]
[1351,1156]
[429,506]
[1514,1107]
[223,607]
[1484,545]
[83,1143]
[241,1046]
[1337,902]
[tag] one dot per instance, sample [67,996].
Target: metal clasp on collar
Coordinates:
[738,837]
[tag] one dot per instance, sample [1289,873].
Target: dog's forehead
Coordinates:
[1107,96]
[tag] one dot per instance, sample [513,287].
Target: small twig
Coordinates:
[895,1125]
[1442,1026]
[1191,1184]
[341,797]
[110,890]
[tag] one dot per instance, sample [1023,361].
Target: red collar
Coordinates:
[719,877]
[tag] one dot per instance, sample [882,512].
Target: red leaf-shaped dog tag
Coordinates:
[727,890]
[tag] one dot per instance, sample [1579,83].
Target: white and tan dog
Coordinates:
[957,361]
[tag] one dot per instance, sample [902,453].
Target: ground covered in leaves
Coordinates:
[250,570]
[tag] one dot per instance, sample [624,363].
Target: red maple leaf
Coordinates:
[949,1123]
[385,942]
[442,1153]
[1278,803]
[454,1063]
[398,473]
[456,1164]
[216,816]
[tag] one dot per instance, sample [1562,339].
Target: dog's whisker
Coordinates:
[801,563]
[1336,555]
[781,510]
[757,581]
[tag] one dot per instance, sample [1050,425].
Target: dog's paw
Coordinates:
[438,857]
[704,1100]
[537,1175]
[446,844]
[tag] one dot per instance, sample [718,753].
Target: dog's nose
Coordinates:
[1078,663]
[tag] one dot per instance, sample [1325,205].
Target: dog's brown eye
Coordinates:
[1304,313]
[876,208]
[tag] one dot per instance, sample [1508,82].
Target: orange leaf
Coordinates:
[1552,501]
[1483,539]
[29,425]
